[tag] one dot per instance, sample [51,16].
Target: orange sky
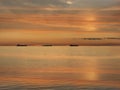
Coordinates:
[34,37]
[57,21]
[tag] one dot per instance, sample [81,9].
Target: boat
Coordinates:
[21,45]
[73,45]
[47,45]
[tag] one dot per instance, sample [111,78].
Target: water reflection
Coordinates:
[51,66]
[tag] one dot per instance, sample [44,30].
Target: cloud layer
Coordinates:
[59,15]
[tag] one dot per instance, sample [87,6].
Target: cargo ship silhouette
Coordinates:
[110,41]
[21,45]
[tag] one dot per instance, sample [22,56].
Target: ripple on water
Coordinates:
[37,87]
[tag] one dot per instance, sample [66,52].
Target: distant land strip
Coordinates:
[107,41]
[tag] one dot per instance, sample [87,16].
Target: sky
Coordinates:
[46,21]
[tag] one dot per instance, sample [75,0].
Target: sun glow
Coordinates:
[90,19]
[92,73]
[92,76]
[89,16]
[90,27]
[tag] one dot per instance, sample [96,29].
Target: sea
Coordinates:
[60,68]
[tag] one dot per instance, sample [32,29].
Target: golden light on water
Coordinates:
[91,76]
[76,44]
[60,65]
[92,70]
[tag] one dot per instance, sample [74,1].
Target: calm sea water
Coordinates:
[60,68]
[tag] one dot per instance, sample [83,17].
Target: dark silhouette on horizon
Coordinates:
[73,45]
[21,45]
[47,45]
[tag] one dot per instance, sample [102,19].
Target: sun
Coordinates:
[90,27]
[91,18]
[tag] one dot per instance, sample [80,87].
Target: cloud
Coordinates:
[59,3]
[114,8]
[85,21]
[100,15]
